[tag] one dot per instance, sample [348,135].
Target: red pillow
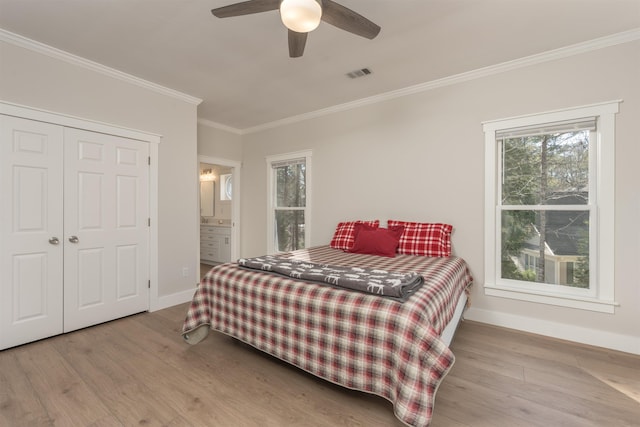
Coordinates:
[344,235]
[378,241]
[424,238]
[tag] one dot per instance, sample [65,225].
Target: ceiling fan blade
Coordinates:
[246,8]
[297,42]
[348,20]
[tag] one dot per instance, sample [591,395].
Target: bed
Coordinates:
[362,341]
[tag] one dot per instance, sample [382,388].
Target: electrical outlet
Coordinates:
[185,271]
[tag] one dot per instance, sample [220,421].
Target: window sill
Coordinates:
[591,304]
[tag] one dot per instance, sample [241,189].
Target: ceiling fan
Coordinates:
[302,16]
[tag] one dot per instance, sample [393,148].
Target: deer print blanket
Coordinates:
[399,286]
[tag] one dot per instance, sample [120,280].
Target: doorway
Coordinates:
[219,209]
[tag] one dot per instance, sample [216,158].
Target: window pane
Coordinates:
[546,247]
[549,169]
[289,230]
[291,186]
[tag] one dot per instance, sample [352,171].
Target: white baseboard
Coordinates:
[170,300]
[610,340]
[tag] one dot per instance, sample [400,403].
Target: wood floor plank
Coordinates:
[514,400]
[100,364]
[591,389]
[617,370]
[181,390]
[551,378]
[63,393]
[481,407]
[488,363]
[19,402]
[139,371]
[507,348]
[521,348]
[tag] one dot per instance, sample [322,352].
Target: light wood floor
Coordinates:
[138,371]
[204,269]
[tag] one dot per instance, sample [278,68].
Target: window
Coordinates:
[289,201]
[549,207]
[226,186]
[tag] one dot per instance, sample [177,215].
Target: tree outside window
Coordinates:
[546,171]
[289,201]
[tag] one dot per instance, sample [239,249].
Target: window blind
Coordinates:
[587,123]
[288,162]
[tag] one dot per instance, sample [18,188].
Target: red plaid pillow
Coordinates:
[424,238]
[344,235]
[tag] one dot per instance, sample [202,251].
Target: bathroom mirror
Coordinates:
[207,198]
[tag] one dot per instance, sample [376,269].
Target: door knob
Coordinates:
[54,241]
[74,239]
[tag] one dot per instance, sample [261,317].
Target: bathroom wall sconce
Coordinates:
[207,175]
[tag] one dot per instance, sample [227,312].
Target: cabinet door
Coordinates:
[31,248]
[225,250]
[106,242]
[209,246]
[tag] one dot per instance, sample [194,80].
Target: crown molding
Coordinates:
[551,55]
[219,126]
[23,42]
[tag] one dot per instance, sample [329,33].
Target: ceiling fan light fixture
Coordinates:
[300,16]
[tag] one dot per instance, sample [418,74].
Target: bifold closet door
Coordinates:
[31,234]
[106,211]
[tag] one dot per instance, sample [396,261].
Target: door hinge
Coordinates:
[149,160]
[148,222]
[149,284]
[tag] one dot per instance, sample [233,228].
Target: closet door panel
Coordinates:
[106,229]
[91,266]
[31,250]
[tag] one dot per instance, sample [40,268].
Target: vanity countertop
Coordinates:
[214,224]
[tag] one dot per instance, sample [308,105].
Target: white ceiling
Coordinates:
[240,67]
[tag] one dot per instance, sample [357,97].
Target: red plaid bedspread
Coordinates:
[357,340]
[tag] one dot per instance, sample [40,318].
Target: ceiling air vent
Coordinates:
[359,73]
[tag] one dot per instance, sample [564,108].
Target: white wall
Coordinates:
[220,143]
[42,81]
[420,157]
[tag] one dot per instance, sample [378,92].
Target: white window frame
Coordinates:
[600,296]
[271,196]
